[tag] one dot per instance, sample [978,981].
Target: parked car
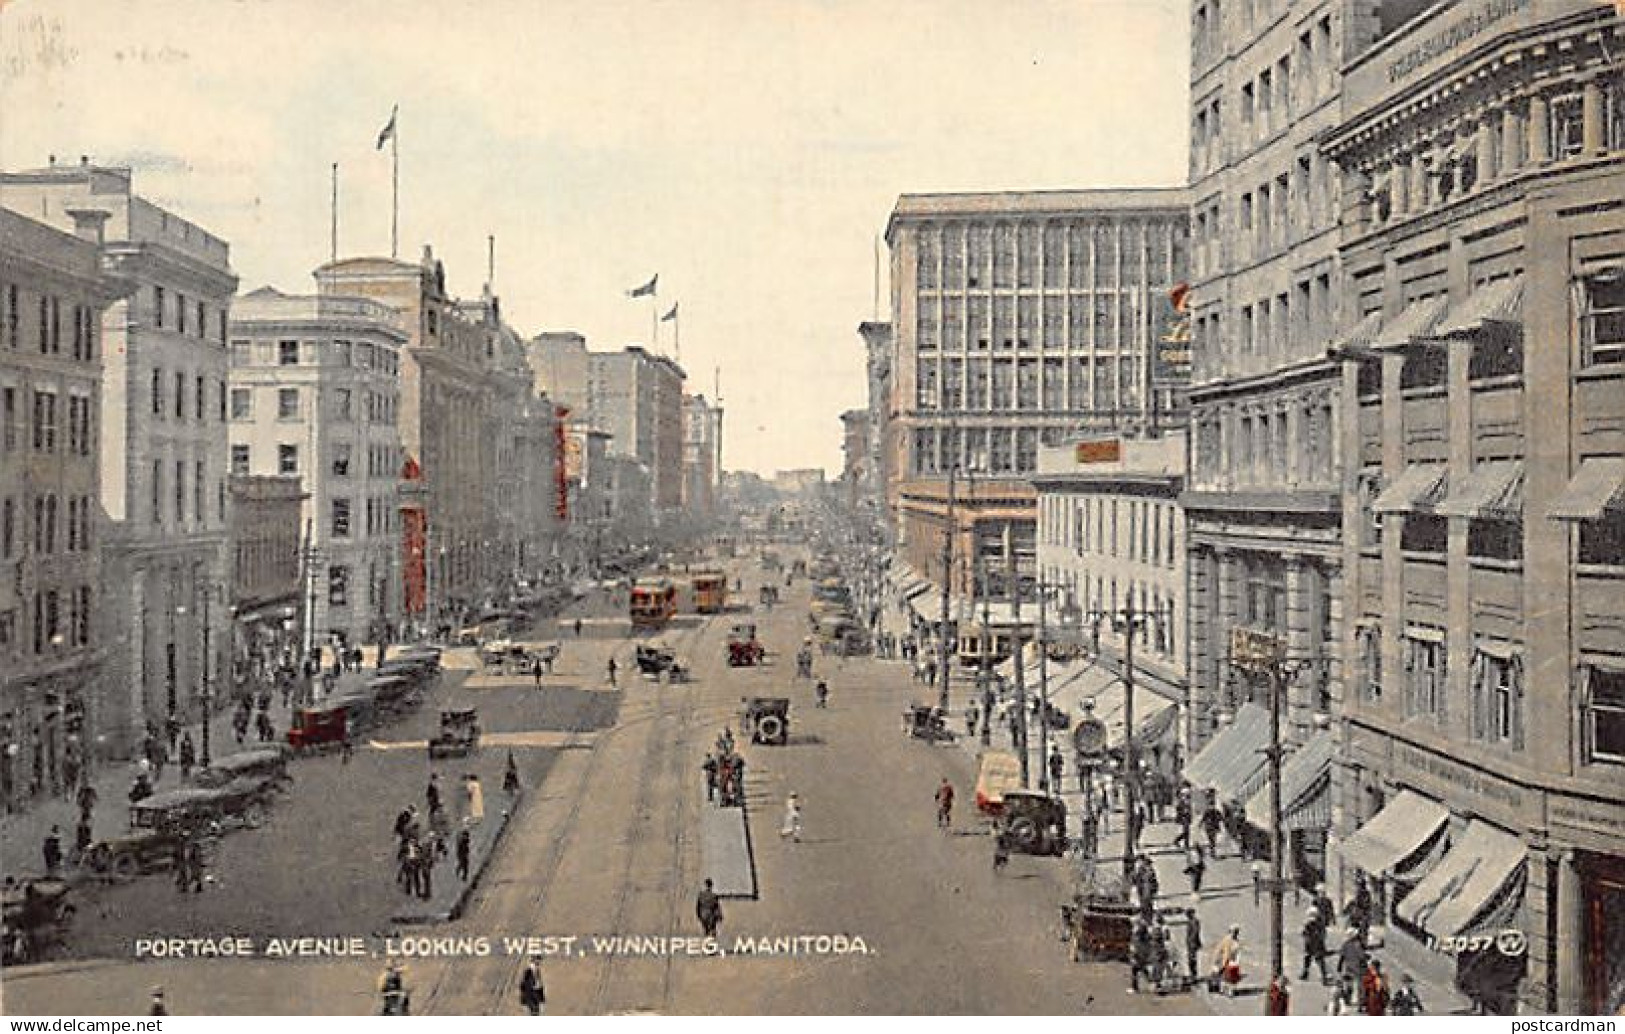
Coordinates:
[767,720]
[158,824]
[459,733]
[268,765]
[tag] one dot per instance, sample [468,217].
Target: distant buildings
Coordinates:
[637,397]
[268,592]
[54,625]
[701,453]
[857,453]
[162,435]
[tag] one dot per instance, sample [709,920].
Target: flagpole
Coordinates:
[335,233]
[654,319]
[395,187]
[677,335]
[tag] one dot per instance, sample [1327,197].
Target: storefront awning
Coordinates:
[1153,713]
[1418,487]
[1500,302]
[1416,321]
[1231,763]
[1467,881]
[1362,335]
[1305,778]
[927,604]
[1493,489]
[1598,485]
[1401,829]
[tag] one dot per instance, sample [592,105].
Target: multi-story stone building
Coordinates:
[559,361]
[162,440]
[856,474]
[885,444]
[1111,536]
[447,433]
[53,625]
[1018,319]
[638,398]
[315,394]
[700,424]
[1483,424]
[267,593]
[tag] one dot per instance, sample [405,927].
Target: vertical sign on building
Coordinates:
[561,466]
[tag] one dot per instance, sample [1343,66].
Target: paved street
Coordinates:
[609,845]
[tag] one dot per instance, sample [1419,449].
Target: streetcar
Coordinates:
[654,602]
[710,592]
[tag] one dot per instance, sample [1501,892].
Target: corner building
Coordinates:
[1483,402]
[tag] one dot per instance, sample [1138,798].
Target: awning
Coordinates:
[1416,321]
[1597,486]
[927,604]
[1498,302]
[1305,778]
[1401,829]
[1467,881]
[1232,762]
[1362,335]
[1154,714]
[1493,489]
[913,589]
[1418,487]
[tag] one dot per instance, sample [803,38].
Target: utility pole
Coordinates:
[949,530]
[1043,694]
[1128,620]
[986,675]
[1015,649]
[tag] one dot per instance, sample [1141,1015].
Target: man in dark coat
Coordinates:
[1314,944]
[1351,964]
[1212,819]
[1182,815]
[710,769]
[463,848]
[531,993]
[708,909]
[188,755]
[1193,941]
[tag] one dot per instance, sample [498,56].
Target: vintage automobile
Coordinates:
[267,764]
[393,692]
[744,649]
[655,659]
[997,773]
[37,912]
[767,720]
[331,722]
[158,824]
[459,733]
[1033,823]
[924,722]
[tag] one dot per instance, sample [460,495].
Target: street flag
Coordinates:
[389,130]
[668,317]
[646,290]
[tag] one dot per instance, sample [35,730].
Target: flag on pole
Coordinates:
[389,130]
[668,317]
[646,290]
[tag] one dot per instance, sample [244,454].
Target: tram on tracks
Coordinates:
[653,602]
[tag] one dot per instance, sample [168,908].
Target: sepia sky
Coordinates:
[748,151]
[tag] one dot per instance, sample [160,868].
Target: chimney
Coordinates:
[89,224]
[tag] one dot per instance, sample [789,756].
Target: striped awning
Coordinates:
[1497,302]
[1598,485]
[1233,761]
[1397,832]
[1154,714]
[1417,321]
[1493,489]
[1306,775]
[1363,333]
[1418,487]
[1473,874]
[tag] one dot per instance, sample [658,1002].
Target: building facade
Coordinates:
[447,432]
[1017,320]
[53,625]
[558,359]
[1483,421]
[885,445]
[638,398]
[267,595]
[163,447]
[701,422]
[856,449]
[315,395]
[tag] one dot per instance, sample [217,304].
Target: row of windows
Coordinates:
[287,459]
[1155,627]
[261,561]
[378,408]
[187,316]
[81,433]
[69,524]
[49,328]
[997,450]
[193,476]
[338,352]
[1139,530]
[1103,384]
[60,619]
[1290,443]
[380,515]
[1049,254]
[169,394]
[1102,320]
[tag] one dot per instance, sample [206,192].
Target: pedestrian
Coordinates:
[1212,819]
[1406,1002]
[396,1001]
[611,669]
[1057,765]
[239,725]
[1182,815]
[1374,994]
[81,838]
[346,748]
[1350,963]
[1001,851]
[406,865]
[431,793]
[172,730]
[1139,954]
[1360,909]
[1323,905]
[155,1003]
[1227,962]
[1193,943]
[970,721]
[140,787]
[709,767]
[262,724]
[1278,1002]
[578,628]
[403,822]
[510,776]
[536,672]
[1195,866]
[792,819]
[821,694]
[708,909]
[423,871]
[1159,954]
[194,865]
[87,802]
[52,850]
[188,755]
[1314,944]
[531,993]
[464,843]
[474,798]
[945,804]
